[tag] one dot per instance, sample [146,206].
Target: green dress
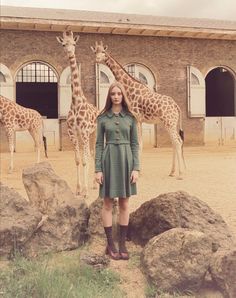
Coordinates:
[117,153]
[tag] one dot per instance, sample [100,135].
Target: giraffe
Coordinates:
[14,117]
[148,106]
[81,119]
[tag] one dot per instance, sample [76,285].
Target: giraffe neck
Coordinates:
[119,72]
[77,92]
[130,84]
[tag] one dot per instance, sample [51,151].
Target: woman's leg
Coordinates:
[107,224]
[124,211]
[123,222]
[107,212]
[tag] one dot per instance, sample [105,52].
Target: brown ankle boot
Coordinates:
[124,255]
[111,249]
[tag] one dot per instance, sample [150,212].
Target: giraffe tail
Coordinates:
[44,141]
[181,134]
[45,146]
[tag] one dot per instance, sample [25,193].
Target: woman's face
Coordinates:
[116,96]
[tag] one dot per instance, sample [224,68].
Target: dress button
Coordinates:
[117,130]
[117,139]
[116,123]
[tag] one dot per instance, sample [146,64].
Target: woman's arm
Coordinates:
[134,145]
[99,145]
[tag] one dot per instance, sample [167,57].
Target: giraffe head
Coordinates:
[68,41]
[100,51]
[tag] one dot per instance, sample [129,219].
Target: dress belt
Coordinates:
[118,142]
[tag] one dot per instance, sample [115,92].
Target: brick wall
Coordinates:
[166,57]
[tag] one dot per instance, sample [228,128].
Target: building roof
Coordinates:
[44,19]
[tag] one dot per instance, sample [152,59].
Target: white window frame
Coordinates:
[196,93]
[65,92]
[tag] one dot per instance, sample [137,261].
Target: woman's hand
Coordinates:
[99,177]
[134,177]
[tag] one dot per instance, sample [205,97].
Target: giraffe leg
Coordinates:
[178,149]
[36,135]
[172,172]
[77,163]
[177,153]
[179,159]
[85,157]
[10,137]
[92,150]
[73,137]
[11,167]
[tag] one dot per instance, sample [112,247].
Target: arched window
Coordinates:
[142,78]
[2,78]
[65,91]
[68,80]
[220,93]
[142,74]
[196,92]
[194,79]
[6,82]
[36,72]
[36,88]
[104,78]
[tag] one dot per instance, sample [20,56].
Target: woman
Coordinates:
[116,164]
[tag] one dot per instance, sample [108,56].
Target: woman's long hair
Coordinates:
[125,102]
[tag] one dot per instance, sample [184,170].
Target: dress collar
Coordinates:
[110,113]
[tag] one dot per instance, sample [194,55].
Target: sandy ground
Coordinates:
[210,176]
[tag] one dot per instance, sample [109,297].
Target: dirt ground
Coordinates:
[210,176]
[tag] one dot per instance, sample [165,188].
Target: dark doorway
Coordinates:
[36,88]
[220,93]
[41,97]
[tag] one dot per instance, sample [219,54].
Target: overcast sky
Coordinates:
[212,9]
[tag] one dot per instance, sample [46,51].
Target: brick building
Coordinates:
[192,60]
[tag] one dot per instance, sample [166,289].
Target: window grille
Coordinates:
[36,72]
[131,69]
[142,78]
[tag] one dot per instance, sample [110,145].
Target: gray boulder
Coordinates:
[46,190]
[65,229]
[223,272]
[177,260]
[18,221]
[178,209]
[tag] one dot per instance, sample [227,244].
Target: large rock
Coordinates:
[95,225]
[177,260]
[44,188]
[65,229]
[18,221]
[177,209]
[223,272]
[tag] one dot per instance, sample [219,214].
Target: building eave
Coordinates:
[114,28]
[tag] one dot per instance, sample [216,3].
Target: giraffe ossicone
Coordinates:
[147,105]
[81,119]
